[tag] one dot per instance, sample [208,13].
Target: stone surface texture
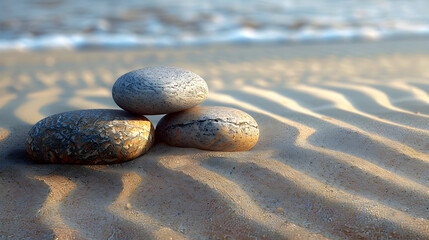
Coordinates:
[209,128]
[159,90]
[97,136]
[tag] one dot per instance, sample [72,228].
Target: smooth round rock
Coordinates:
[209,128]
[159,90]
[97,136]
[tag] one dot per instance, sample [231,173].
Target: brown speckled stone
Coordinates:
[97,136]
[209,128]
[159,90]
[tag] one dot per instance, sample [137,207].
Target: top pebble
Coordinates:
[159,90]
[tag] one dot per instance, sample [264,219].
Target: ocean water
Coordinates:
[82,24]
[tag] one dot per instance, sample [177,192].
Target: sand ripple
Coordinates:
[343,152]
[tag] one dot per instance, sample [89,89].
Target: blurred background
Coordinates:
[82,24]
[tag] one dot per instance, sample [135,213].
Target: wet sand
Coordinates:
[343,151]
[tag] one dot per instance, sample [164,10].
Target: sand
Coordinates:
[343,151]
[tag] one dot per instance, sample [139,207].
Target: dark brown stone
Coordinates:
[97,136]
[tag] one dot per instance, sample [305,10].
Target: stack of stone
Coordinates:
[101,136]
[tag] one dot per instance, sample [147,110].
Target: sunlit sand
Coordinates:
[343,150]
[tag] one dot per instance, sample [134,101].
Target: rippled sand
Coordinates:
[343,152]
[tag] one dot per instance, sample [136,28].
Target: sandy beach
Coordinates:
[343,150]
